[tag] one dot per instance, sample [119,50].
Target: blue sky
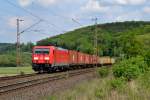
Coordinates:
[56,15]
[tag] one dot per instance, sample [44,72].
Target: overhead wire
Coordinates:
[23,9]
[30,26]
[32,14]
[45,20]
[65,17]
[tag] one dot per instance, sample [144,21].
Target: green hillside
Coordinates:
[8,54]
[113,38]
[6,47]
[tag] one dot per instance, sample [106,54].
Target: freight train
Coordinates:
[51,59]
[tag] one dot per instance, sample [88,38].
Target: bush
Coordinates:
[130,68]
[118,69]
[140,63]
[131,72]
[117,83]
[103,72]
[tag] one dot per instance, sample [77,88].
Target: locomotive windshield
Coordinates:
[41,51]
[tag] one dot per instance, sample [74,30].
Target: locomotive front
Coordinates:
[41,58]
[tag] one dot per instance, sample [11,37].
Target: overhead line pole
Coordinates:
[95,40]
[18,49]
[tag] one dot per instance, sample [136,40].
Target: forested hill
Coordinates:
[11,47]
[4,47]
[114,39]
[8,54]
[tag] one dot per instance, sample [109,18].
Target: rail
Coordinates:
[22,85]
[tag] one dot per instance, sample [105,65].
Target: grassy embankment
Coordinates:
[9,71]
[107,88]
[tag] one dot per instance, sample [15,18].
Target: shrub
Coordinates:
[140,63]
[130,68]
[131,72]
[118,69]
[103,72]
[117,83]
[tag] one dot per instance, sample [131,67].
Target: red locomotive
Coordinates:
[51,58]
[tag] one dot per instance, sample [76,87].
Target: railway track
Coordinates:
[34,82]
[16,77]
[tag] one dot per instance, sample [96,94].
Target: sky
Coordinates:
[46,18]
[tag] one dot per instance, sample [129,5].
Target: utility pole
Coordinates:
[18,49]
[95,40]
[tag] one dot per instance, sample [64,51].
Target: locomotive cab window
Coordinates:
[41,51]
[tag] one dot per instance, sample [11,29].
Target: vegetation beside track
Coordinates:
[126,80]
[108,88]
[9,71]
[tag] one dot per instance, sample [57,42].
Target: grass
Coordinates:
[103,89]
[8,71]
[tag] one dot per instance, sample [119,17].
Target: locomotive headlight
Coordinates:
[46,58]
[36,58]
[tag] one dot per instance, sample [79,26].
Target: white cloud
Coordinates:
[94,5]
[131,16]
[12,21]
[130,2]
[46,2]
[147,9]
[25,2]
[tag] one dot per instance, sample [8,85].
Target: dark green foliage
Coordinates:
[103,72]
[9,47]
[140,63]
[131,72]
[130,45]
[6,47]
[27,47]
[114,39]
[130,68]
